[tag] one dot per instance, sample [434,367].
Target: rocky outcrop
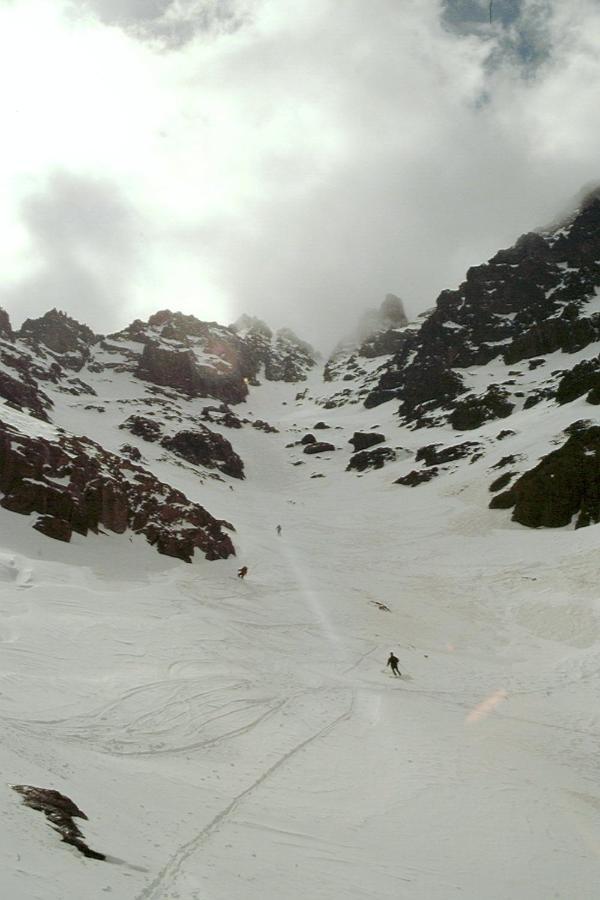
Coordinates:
[60,812]
[67,340]
[417,476]
[284,356]
[528,300]
[204,447]
[180,369]
[6,332]
[371,459]
[72,481]
[473,411]
[437,455]
[142,427]
[564,486]
[583,378]
[362,440]
[25,395]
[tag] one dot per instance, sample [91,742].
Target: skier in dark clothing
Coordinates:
[393,663]
[243,572]
[278,529]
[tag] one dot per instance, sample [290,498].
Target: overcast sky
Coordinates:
[294,160]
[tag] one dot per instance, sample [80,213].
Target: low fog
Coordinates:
[294,161]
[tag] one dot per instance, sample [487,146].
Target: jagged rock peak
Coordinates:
[58,332]
[251,325]
[391,314]
[6,331]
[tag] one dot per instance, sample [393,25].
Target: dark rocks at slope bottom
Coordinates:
[363,440]
[473,411]
[318,447]
[564,484]
[371,459]
[206,448]
[319,426]
[417,476]
[60,812]
[53,527]
[308,439]
[584,378]
[436,455]
[96,488]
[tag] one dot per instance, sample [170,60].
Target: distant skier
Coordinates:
[393,664]
[243,572]
[278,529]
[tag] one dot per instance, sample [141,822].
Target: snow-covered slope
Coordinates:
[243,738]
[232,738]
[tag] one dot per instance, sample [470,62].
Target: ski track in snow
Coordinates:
[244,739]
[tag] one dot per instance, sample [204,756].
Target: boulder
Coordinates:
[207,448]
[363,440]
[318,447]
[97,488]
[371,459]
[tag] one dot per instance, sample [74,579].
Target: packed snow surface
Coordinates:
[234,738]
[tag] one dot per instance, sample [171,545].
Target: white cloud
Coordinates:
[304,164]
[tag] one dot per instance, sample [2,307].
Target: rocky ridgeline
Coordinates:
[204,359]
[74,485]
[532,299]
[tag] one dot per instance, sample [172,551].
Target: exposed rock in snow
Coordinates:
[75,481]
[60,812]
[564,484]
[361,440]
[204,447]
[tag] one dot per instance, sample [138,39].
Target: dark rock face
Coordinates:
[583,378]
[371,459]
[61,335]
[143,427]
[436,455]
[363,440]
[97,488]
[318,447]
[60,812]
[526,301]
[564,484]
[206,448]
[179,369]
[474,411]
